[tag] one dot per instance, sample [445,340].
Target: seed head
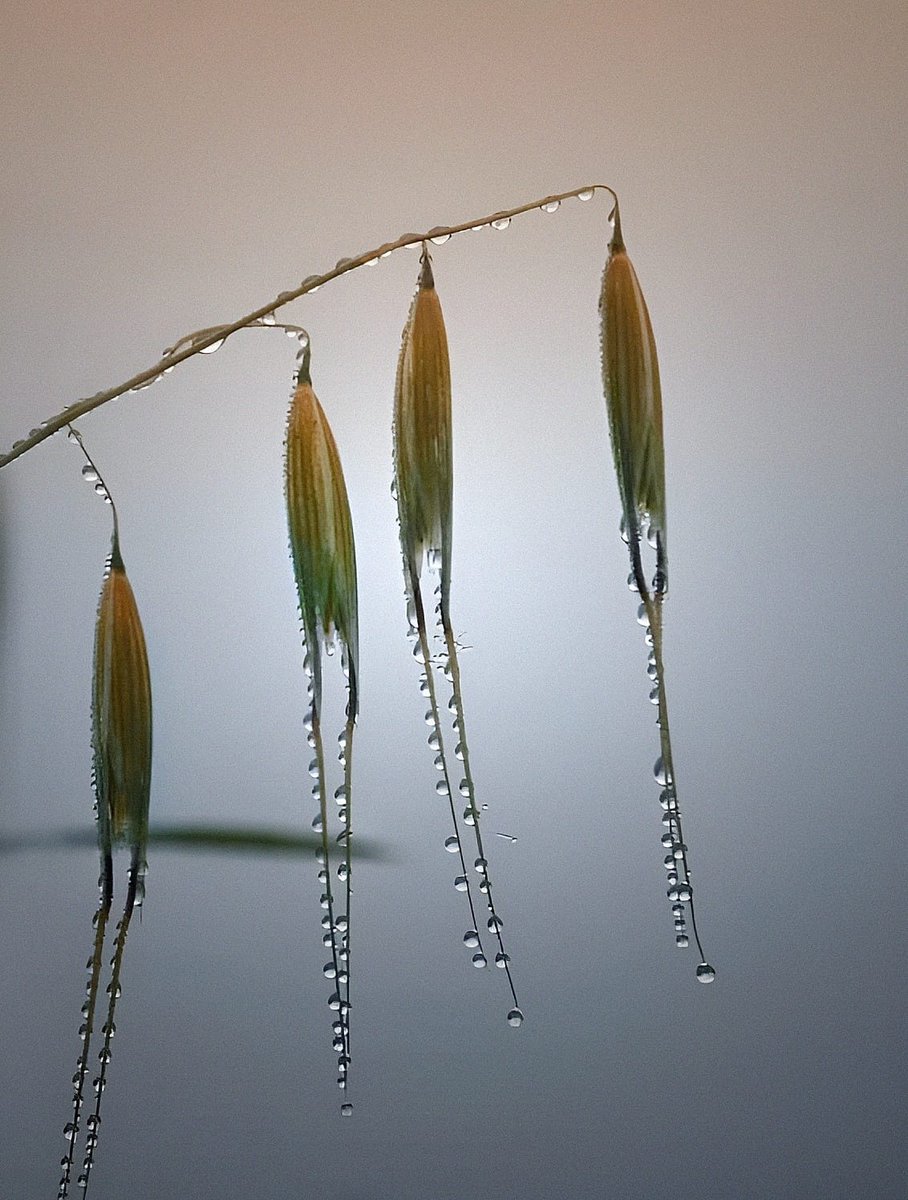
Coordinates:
[633,397]
[422,431]
[321,531]
[121,713]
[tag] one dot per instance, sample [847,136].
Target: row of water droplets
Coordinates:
[335,925]
[680,889]
[418,634]
[135,894]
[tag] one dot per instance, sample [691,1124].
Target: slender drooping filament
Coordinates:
[423,475]
[324,563]
[121,735]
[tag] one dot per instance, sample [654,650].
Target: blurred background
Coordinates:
[168,167]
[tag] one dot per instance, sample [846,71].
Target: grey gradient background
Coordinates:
[166,167]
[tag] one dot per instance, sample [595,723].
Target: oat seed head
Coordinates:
[633,397]
[422,432]
[121,713]
[320,528]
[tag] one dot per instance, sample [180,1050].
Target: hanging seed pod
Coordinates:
[121,714]
[633,397]
[321,531]
[422,434]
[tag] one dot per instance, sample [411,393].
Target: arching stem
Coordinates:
[196,344]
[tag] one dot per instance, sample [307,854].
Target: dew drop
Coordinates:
[502,959]
[515,1018]
[586,194]
[480,865]
[89,474]
[550,206]
[642,618]
[479,960]
[460,883]
[661,775]
[471,939]
[452,845]
[682,941]
[495,924]
[500,222]
[214,346]
[347,1110]
[469,816]
[442,788]
[438,236]
[433,739]
[706,973]
[684,892]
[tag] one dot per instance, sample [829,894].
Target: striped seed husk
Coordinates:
[321,530]
[121,714]
[633,397]
[422,432]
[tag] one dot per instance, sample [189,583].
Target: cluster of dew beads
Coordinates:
[334,925]
[471,813]
[680,889]
[418,635]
